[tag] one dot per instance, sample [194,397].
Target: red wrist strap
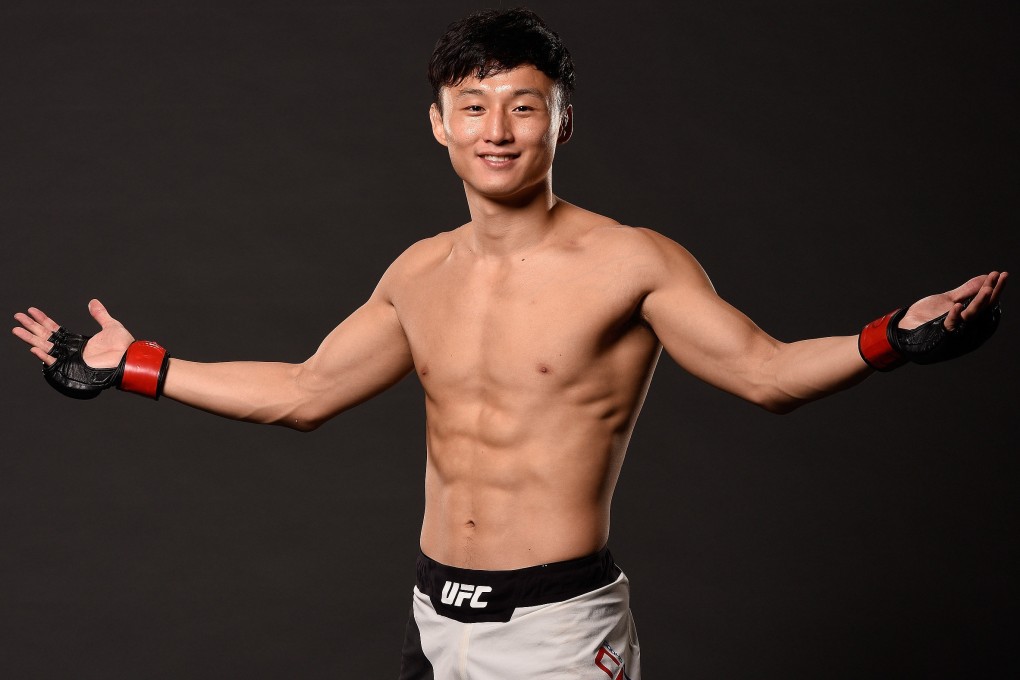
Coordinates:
[875,348]
[144,371]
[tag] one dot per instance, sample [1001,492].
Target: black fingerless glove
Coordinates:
[69,374]
[66,343]
[142,369]
[884,346]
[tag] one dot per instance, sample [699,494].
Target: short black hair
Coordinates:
[495,40]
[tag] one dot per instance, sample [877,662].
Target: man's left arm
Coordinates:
[717,343]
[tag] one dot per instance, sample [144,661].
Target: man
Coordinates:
[534,330]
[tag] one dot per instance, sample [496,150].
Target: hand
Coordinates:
[103,350]
[982,292]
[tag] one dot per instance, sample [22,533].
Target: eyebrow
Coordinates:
[477,92]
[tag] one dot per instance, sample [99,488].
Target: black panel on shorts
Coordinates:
[414,665]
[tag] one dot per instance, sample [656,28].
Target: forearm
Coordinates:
[260,392]
[799,372]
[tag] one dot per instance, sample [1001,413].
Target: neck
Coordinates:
[507,225]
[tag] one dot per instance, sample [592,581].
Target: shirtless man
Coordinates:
[534,330]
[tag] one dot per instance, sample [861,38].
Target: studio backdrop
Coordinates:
[232,178]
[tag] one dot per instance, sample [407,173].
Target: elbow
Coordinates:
[780,407]
[770,392]
[299,416]
[294,415]
[302,409]
[301,419]
[305,426]
[301,424]
[776,401]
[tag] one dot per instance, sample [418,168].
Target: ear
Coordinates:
[566,126]
[438,129]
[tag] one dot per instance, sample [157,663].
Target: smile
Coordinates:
[492,158]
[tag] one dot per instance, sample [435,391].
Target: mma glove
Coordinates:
[142,369]
[884,346]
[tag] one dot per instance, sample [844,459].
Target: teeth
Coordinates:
[497,159]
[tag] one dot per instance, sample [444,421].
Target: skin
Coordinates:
[534,330]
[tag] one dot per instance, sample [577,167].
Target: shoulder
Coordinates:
[417,259]
[424,253]
[658,257]
[646,254]
[594,233]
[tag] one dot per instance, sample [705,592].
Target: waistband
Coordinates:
[473,595]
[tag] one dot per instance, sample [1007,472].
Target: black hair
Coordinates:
[493,41]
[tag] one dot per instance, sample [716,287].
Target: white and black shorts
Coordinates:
[562,620]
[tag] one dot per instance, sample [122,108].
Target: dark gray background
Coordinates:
[231,178]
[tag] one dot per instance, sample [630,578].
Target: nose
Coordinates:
[498,128]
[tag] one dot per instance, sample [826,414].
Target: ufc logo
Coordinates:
[456,593]
[610,663]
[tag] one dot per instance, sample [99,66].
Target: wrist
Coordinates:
[143,369]
[875,343]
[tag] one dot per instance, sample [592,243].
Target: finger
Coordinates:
[954,317]
[968,289]
[1000,285]
[40,317]
[99,313]
[990,281]
[43,356]
[32,339]
[977,304]
[33,326]
[982,298]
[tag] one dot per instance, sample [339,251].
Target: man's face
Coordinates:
[502,131]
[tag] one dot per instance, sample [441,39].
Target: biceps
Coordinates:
[710,338]
[361,357]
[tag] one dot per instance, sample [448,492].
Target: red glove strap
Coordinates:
[873,344]
[144,369]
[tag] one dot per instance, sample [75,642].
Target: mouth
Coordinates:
[498,159]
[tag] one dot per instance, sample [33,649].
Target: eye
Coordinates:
[473,108]
[524,107]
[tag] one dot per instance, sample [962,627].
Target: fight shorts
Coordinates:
[552,621]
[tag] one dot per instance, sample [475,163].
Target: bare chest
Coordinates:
[543,321]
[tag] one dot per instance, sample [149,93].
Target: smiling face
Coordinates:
[502,131]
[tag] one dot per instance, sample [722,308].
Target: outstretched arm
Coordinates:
[361,357]
[717,343]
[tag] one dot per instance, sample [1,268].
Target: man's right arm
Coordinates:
[361,357]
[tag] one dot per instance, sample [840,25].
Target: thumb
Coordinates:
[99,313]
[953,318]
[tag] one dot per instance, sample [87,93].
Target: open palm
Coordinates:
[104,349]
[962,303]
